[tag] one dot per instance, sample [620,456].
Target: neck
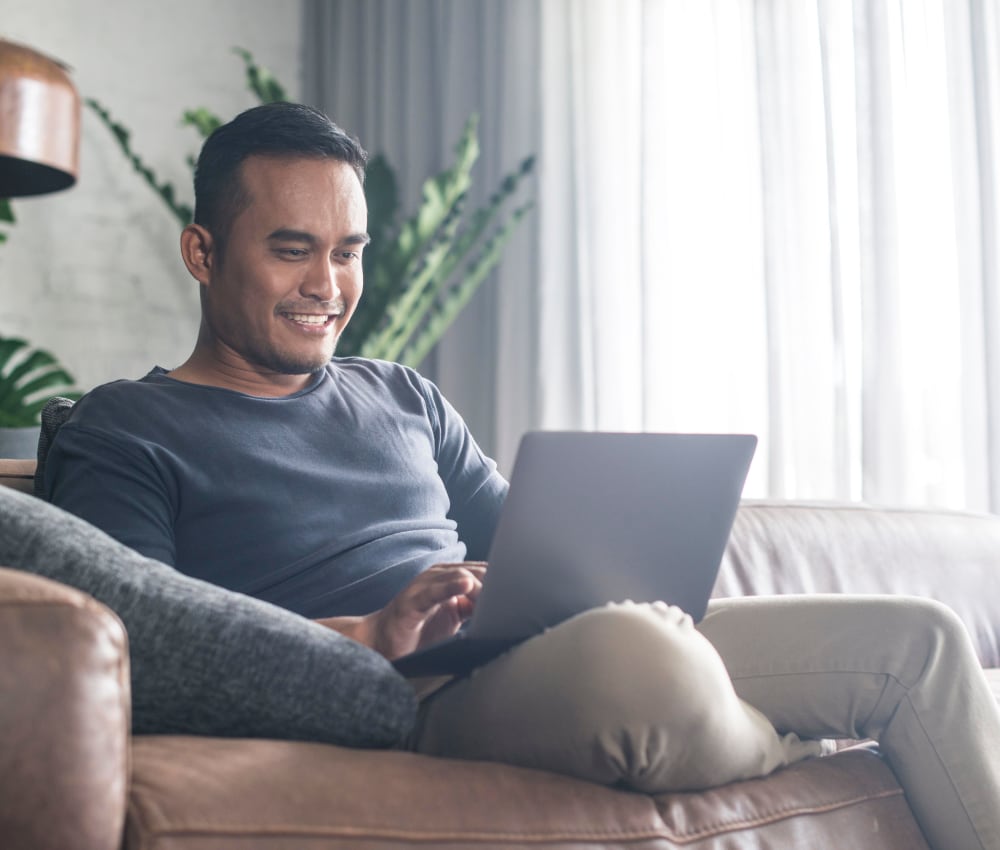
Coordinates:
[233,373]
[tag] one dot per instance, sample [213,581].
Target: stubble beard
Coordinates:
[285,363]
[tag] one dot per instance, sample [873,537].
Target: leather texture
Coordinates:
[17,474]
[192,793]
[64,715]
[63,709]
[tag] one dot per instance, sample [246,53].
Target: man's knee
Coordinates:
[642,665]
[940,623]
[934,635]
[656,705]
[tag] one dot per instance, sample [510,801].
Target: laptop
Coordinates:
[597,517]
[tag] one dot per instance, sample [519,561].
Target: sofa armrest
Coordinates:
[18,474]
[64,717]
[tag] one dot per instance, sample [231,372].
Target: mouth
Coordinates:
[312,321]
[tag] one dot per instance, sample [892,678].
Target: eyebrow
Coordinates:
[287,234]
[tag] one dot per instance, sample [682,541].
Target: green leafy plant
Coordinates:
[29,377]
[419,272]
[6,217]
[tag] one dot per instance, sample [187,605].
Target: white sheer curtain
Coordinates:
[774,216]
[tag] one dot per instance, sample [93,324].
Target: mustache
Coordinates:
[334,306]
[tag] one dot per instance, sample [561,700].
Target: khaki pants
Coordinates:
[636,695]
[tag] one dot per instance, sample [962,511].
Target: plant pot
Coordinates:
[19,442]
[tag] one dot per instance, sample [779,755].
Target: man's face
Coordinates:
[289,275]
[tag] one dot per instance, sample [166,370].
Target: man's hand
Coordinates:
[429,609]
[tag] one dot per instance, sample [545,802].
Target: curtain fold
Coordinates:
[776,216]
[404,77]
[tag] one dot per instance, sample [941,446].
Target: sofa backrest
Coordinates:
[801,547]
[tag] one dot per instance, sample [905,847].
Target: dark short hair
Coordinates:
[274,129]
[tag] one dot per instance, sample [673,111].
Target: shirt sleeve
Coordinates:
[476,489]
[115,486]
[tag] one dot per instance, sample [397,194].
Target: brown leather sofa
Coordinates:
[73,777]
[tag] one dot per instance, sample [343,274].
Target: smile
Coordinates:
[311,319]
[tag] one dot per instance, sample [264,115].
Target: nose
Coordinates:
[320,282]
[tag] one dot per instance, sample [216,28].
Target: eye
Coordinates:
[291,253]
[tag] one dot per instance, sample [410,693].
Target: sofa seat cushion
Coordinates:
[213,794]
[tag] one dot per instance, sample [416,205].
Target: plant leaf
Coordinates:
[260,80]
[28,378]
[445,312]
[181,212]
[202,120]
[419,316]
[32,363]
[9,346]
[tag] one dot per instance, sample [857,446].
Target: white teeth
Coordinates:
[308,318]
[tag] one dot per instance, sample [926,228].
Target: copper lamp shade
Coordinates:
[39,123]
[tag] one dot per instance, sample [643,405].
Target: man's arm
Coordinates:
[431,608]
[476,489]
[112,486]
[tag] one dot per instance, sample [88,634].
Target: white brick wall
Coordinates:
[93,273]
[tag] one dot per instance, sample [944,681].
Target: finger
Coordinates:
[477,568]
[438,588]
[464,606]
[442,572]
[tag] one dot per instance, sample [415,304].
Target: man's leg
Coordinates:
[900,670]
[626,694]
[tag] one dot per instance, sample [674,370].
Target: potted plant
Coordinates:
[40,112]
[419,273]
[29,377]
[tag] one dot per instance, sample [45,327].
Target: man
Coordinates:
[351,492]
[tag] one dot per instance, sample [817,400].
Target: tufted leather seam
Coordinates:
[403,834]
[775,815]
[681,838]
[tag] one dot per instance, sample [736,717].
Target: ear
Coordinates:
[198,252]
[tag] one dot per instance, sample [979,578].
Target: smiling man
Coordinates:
[351,492]
[279,281]
[263,464]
